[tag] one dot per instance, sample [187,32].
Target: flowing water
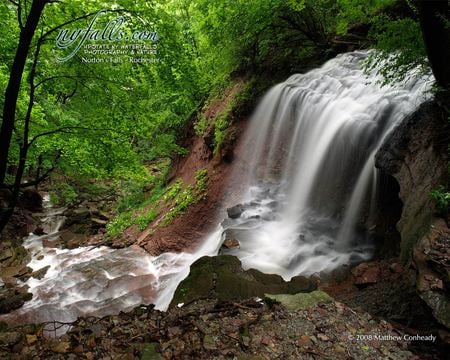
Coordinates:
[310,189]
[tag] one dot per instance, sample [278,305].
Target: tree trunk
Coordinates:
[15,78]
[436,36]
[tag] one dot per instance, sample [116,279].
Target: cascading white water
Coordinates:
[309,174]
[312,179]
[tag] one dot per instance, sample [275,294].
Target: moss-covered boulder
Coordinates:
[222,277]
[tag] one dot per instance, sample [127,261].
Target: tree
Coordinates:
[434,20]
[12,90]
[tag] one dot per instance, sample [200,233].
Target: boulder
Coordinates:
[222,277]
[235,211]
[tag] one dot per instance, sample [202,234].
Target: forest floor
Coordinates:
[371,313]
[209,329]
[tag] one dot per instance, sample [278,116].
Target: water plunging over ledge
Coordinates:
[310,184]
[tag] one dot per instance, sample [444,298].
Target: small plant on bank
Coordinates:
[441,197]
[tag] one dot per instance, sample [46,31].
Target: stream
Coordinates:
[309,174]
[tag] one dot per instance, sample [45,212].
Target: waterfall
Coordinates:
[310,189]
[311,175]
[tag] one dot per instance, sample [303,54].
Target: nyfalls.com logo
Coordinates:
[104,40]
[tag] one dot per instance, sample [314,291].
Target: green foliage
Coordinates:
[201,182]
[119,224]
[441,196]
[145,219]
[399,46]
[173,190]
[182,201]
[201,125]
[357,11]
[220,131]
[63,194]
[188,196]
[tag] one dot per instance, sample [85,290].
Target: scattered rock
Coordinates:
[10,338]
[209,342]
[231,244]
[13,300]
[150,352]
[60,347]
[31,339]
[76,216]
[323,337]
[47,243]
[235,211]
[39,231]
[366,273]
[304,341]
[39,274]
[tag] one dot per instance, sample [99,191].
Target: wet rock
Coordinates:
[231,244]
[47,243]
[13,300]
[301,301]
[73,240]
[39,231]
[235,211]
[223,277]
[39,274]
[366,273]
[78,215]
[10,338]
[15,271]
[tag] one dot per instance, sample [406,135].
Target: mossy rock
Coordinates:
[301,301]
[223,278]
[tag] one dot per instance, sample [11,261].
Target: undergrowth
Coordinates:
[178,196]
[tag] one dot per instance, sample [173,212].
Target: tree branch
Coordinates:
[66,130]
